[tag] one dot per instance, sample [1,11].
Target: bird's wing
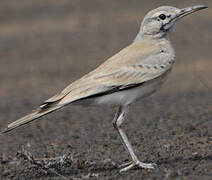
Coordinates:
[134,65]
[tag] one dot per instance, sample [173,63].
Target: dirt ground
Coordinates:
[45,45]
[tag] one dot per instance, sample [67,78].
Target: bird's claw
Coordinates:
[131,165]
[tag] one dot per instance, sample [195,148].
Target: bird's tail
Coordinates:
[30,117]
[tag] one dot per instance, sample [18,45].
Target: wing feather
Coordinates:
[134,65]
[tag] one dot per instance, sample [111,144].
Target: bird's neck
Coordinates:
[161,35]
[162,41]
[156,37]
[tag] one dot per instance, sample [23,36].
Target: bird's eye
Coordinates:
[162,16]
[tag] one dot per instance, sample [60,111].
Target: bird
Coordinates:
[137,71]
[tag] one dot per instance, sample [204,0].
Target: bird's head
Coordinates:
[159,22]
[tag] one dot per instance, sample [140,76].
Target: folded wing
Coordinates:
[134,65]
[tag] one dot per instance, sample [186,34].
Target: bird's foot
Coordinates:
[130,165]
[125,165]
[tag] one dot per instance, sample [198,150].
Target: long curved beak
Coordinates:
[186,11]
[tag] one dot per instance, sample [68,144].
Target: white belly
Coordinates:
[126,97]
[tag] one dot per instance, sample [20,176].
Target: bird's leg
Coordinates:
[117,122]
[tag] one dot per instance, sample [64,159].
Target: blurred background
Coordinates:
[45,45]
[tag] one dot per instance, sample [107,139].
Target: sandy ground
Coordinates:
[45,45]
